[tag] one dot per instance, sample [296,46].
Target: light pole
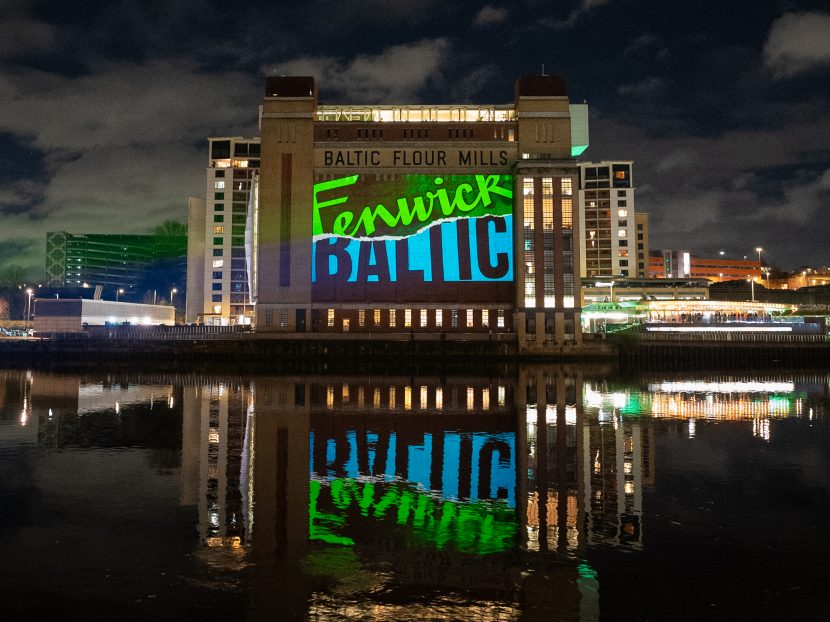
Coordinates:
[118,292]
[29,304]
[172,291]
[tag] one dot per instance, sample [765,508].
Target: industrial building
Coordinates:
[439,218]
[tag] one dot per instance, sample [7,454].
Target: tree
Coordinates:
[12,274]
[171,228]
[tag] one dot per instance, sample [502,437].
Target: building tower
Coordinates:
[606,214]
[224,258]
[440,218]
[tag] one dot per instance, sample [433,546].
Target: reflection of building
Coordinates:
[215,450]
[607,220]
[130,262]
[221,246]
[412,212]
[587,464]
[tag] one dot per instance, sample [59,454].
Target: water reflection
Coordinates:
[407,497]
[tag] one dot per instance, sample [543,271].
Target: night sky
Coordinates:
[105,107]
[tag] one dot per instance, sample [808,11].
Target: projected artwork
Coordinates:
[398,234]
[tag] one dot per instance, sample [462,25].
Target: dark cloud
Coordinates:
[107,105]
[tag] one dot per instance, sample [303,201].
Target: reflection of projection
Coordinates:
[472,465]
[479,527]
[453,489]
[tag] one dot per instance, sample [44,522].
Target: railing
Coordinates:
[155,333]
[735,337]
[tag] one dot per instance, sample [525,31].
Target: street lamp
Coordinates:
[118,292]
[172,291]
[29,304]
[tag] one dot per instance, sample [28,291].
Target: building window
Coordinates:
[470,319]
[439,318]
[269,317]
[219,185]
[623,252]
[622,213]
[392,398]
[283,318]
[330,318]
[218,230]
[218,263]
[529,243]
[219,218]
[376,317]
[500,318]
[218,196]
[622,202]
[471,398]
[485,318]
[216,298]
[217,241]
[424,394]
[622,233]
[623,262]
[217,275]
[392,318]
[567,186]
[424,320]
[454,318]
[622,223]
[361,317]
[622,242]
[407,318]
[639,236]
[217,252]
[439,398]
[217,287]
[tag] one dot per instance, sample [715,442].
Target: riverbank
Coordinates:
[282,353]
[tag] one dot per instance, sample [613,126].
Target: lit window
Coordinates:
[439,318]
[424,317]
[471,398]
[329,396]
[376,397]
[407,318]
[439,398]
[392,318]
[485,317]
[500,318]
[330,318]
[345,393]
[470,318]
[622,233]
[361,317]
[391,397]
[217,308]
[218,185]
[567,186]
[423,397]
[218,263]
[501,394]
[622,213]
[485,398]
[376,317]
[219,230]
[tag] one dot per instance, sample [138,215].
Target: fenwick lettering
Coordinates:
[466,199]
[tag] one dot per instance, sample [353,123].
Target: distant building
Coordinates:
[607,219]
[680,264]
[222,245]
[641,220]
[134,263]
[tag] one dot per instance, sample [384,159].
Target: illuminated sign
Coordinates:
[410,230]
[392,158]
